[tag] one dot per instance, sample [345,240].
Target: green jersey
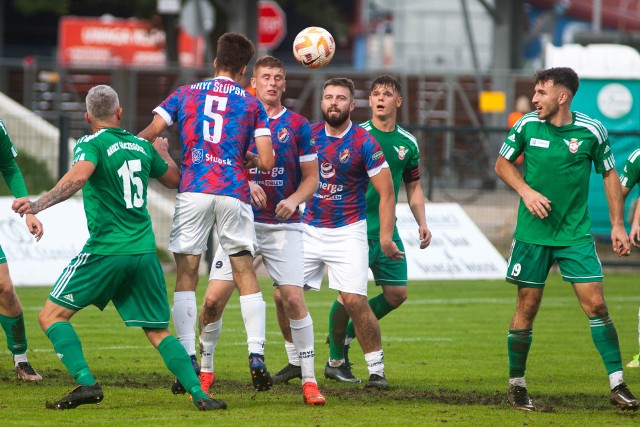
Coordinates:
[115,196]
[630,175]
[557,164]
[8,166]
[401,151]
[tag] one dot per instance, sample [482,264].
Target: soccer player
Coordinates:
[218,119]
[335,230]
[11,317]
[401,151]
[118,263]
[553,223]
[276,196]
[629,177]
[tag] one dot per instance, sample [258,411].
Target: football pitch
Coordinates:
[445,358]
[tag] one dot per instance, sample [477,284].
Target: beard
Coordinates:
[336,121]
[549,112]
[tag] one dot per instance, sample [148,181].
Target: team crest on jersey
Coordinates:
[402,151]
[573,145]
[283,135]
[345,156]
[327,170]
[197,155]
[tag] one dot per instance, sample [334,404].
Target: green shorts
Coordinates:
[385,271]
[529,264]
[135,284]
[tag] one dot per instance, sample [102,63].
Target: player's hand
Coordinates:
[620,240]
[250,160]
[23,206]
[285,209]
[537,204]
[258,196]
[35,226]
[161,145]
[634,236]
[425,237]
[391,251]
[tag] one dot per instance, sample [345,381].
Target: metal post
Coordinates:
[63,145]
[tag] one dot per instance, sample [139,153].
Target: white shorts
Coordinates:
[195,215]
[344,251]
[282,253]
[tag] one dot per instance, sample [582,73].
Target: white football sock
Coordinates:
[184,313]
[302,335]
[253,311]
[292,353]
[375,362]
[18,358]
[208,341]
[615,379]
[518,381]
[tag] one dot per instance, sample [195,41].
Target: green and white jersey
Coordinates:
[401,151]
[557,164]
[630,175]
[115,196]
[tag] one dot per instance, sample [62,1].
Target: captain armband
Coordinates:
[411,175]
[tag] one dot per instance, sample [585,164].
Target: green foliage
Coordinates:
[36,175]
[30,7]
[445,357]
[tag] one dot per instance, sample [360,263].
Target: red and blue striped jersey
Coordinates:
[218,120]
[292,144]
[346,162]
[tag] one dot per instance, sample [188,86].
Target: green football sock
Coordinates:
[67,345]
[605,338]
[14,330]
[338,319]
[177,360]
[380,307]
[518,344]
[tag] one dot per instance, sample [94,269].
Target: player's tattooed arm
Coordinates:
[68,185]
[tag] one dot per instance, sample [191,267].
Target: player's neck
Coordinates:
[273,110]
[384,124]
[337,131]
[227,74]
[562,118]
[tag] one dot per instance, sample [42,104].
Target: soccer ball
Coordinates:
[314,47]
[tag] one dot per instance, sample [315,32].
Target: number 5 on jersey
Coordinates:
[221,105]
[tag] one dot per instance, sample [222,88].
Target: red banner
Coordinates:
[113,41]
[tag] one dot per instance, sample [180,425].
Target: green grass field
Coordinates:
[445,357]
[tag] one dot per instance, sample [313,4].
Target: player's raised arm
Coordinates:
[155,128]
[171,178]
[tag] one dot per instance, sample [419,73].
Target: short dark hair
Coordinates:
[234,51]
[564,76]
[387,80]
[268,61]
[341,81]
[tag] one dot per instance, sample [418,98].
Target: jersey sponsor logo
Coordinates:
[270,182]
[377,155]
[327,170]
[542,143]
[274,172]
[197,155]
[573,145]
[312,142]
[283,135]
[402,152]
[213,159]
[345,156]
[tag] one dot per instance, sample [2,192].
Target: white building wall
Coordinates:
[428,35]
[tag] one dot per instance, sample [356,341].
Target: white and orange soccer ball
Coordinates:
[314,47]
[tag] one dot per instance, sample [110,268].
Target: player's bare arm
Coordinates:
[536,203]
[383,184]
[308,186]
[155,128]
[68,185]
[265,153]
[258,196]
[34,225]
[634,235]
[416,200]
[613,192]
[171,178]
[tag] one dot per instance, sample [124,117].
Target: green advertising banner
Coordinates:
[616,103]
